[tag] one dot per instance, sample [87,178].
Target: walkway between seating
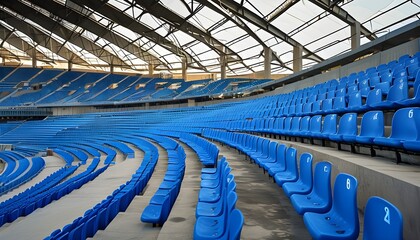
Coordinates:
[127,225]
[56,215]
[267,210]
[180,223]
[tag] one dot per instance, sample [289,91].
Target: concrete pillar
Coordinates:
[184,68]
[213,77]
[267,62]
[34,57]
[297,58]
[69,65]
[355,35]
[223,66]
[151,68]
[111,68]
[191,103]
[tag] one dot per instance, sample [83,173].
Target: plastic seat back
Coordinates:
[304,124]
[382,220]
[374,96]
[291,160]
[316,106]
[404,125]
[398,92]
[339,103]
[315,124]
[329,126]
[236,222]
[355,100]
[372,124]
[345,202]
[322,181]
[348,124]
[307,107]
[295,125]
[326,105]
[305,169]
[281,155]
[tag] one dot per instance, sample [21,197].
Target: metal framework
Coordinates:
[202,35]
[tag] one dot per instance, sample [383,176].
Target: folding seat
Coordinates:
[315,126]
[392,64]
[304,184]
[299,109]
[326,106]
[321,96]
[316,107]
[414,144]
[280,164]
[307,108]
[382,220]
[216,208]
[403,128]
[331,94]
[384,87]
[352,89]
[347,128]
[341,92]
[374,97]
[292,110]
[290,174]
[329,126]
[286,128]
[355,103]
[269,153]
[341,221]
[319,199]
[403,58]
[339,105]
[304,126]
[382,67]
[295,126]
[415,100]
[373,80]
[236,222]
[412,70]
[398,92]
[371,70]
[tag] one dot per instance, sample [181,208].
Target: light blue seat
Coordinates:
[319,199]
[304,184]
[403,128]
[290,174]
[341,221]
[382,220]
[372,126]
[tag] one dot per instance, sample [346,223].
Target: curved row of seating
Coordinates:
[55,188]
[24,171]
[216,214]
[326,216]
[160,205]
[207,152]
[98,217]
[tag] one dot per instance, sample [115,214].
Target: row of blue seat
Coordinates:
[207,152]
[24,171]
[53,188]
[216,212]
[98,217]
[161,203]
[326,216]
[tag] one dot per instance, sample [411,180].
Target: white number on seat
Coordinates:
[410,113]
[387,218]
[348,183]
[325,169]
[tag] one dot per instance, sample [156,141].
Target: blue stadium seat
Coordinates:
[319,199]
[398,92]
[304,184]
[304,126]
[236,222]
[347,128]
[329,126]
[355,102]
[290,174]
[372,126]
[403,128]
[382,220]
[315,126]
[374,97]
[342,221]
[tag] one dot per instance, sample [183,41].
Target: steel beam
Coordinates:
[250,16]
[55,27]
[280,10]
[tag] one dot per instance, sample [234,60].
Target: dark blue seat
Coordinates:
[372,126]
[304,184]
[290,174]
[382,220]
[403,128]
[347,128]
[341,221]
[319,199]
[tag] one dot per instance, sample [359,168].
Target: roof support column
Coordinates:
[34,57]
[184,69]
[355,35]
[111,68]
[151,69]
[267,62]
[297,58]
[69,65]
[222,66]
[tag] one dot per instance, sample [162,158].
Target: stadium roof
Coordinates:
[136,34]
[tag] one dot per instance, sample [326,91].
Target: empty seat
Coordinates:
[304,184]
[290,174]
[342,221]
[347,128]
[398,92]
[382,220]
[403,128]
[372,126]
[319,199]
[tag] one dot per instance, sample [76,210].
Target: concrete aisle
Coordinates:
[267,210]
[180,224]
[127,225]
[56,215]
